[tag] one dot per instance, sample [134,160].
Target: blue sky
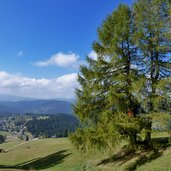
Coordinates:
[44,41]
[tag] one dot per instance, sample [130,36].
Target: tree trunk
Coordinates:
[148,134]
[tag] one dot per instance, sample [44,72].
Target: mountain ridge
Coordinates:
[35,107]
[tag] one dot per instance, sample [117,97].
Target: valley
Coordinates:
[32,126]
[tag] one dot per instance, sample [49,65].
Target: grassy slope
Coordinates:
[50,154]
[59,155]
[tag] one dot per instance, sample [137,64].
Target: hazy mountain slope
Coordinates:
[36,107]
[5,97]
[6,109]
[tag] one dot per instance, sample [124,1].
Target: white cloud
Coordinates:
[60,87]
[93,55]
[20,53]
[61,59]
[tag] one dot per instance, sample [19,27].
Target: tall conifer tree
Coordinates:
[105,102]
[152,37]
[130,77]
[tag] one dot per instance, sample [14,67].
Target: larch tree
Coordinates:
[130,79]
[151,18]
[106,104]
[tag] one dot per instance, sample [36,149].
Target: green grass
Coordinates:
[60,155]
[160,164]
[50,154]
[157,134]
[4,133]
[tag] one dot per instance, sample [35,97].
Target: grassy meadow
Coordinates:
[59,155]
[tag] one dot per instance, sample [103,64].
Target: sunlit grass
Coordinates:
[59,154]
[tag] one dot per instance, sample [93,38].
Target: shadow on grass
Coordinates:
[140,157]
[122,157]
[41,163]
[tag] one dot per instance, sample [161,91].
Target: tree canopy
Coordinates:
[129,82]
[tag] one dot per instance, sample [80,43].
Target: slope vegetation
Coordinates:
[59,154]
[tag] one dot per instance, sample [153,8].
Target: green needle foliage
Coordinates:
[151,19]
[128,79]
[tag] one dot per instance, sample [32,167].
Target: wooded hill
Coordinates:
[40,126]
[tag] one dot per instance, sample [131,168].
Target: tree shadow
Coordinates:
[41,163]
[141,156]
[142,159]
[122,157]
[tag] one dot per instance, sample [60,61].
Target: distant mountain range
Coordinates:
[21,105]
[11,98]
[5,97]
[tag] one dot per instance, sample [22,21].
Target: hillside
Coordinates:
[53,126]
[35,107]
[45,126]
[59,154]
